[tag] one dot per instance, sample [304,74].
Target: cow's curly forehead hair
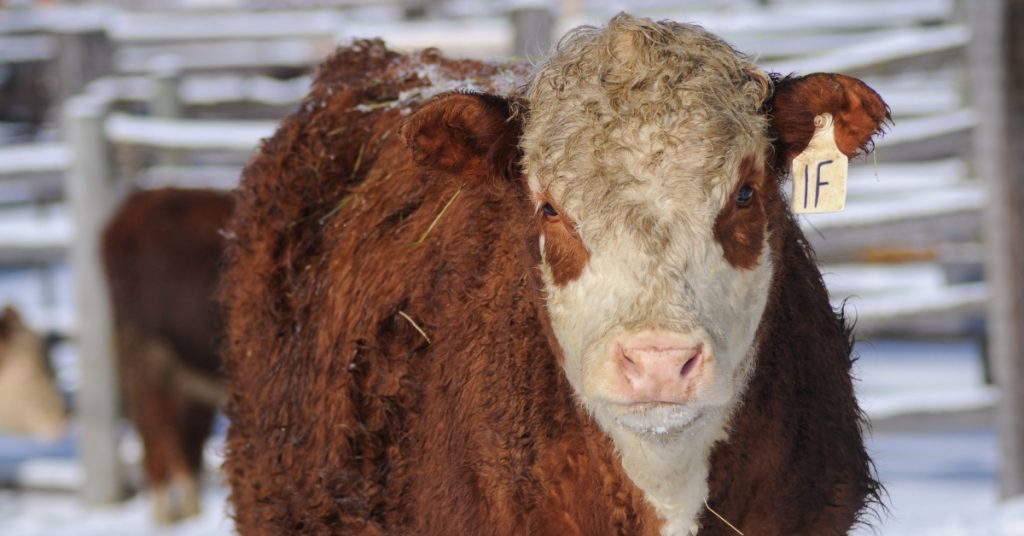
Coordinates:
[627,101]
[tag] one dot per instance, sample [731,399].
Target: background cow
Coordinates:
[622,335]
[29,400]
[162,251]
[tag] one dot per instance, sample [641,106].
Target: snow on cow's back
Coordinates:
[375,78]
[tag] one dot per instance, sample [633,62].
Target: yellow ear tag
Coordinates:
[819,173]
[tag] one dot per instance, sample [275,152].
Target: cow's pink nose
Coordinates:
[660,367]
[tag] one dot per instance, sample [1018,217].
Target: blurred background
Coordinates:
[100,97]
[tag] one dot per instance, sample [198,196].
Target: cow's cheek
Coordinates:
[744,294]
[564,252]
[745,298]
[569,306]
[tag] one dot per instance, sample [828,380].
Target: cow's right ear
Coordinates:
[469,134]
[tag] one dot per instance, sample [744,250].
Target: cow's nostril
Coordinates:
[690,364]
[627,362]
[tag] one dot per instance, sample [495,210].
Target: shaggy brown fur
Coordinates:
[162,251]
[389,355]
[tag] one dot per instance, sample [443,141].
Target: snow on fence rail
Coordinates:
[53,19]
[930,127]
[34,158]
[895,45]
[786,18]
[27,48]
[207,89]
[477,37]
[968,196]
[206,26]
[190,134]
[899,311]
[291,52]
[907,97]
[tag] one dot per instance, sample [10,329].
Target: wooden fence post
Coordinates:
[88,188]
[995,56]
[534,28]
[166,100]
[84,54]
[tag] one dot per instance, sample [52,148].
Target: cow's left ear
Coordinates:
[857,111]
[472,134]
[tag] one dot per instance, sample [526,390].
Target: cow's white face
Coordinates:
[633,170]
[644,151]
[654,322]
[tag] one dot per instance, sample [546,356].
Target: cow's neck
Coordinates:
[672,473]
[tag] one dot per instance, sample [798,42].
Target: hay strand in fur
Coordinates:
[437,218]
[359,159]
[415,326]
[337,208]
[719,516]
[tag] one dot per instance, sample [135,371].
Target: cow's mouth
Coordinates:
[656,418]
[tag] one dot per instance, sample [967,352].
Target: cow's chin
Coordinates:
[656,420]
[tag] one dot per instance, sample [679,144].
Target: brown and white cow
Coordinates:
[582,310]
[30,402]
[162,251]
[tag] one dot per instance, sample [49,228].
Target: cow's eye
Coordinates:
[745,195]
[549,210]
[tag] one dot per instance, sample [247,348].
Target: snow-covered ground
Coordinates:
[940,478]
[942,482]
[60,514]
